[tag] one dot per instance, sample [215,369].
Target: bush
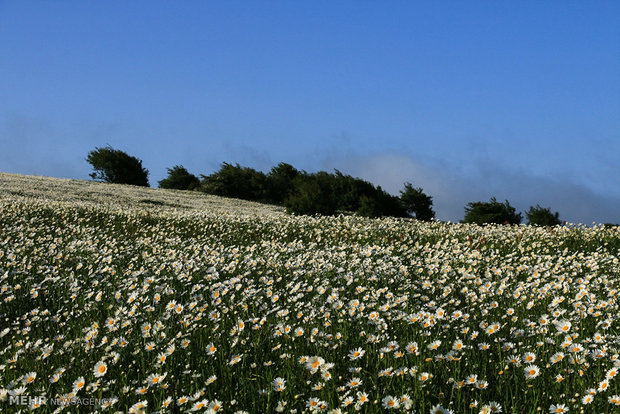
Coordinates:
[179,179]
[280,183]
[369,207]
[389,205]
[416,203]
[480,212]
[351,192]
[115,166]
[313,194]
[236,182]
[303,193]
[539,216]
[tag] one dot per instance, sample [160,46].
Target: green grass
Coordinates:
[68,268]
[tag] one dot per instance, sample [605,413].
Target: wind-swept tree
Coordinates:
[540,216]
[417,204]
[313,194]
[280,182]
[115,166]
[480,212]
[235,181]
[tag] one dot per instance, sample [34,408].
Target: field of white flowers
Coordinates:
[117,298]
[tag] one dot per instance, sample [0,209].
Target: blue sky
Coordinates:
[468,100]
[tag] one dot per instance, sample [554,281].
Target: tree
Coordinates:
[179,179]
[303,193]
[313,194]
[417,203]
[235,181]
[539,216]
[493,211]
[369,207]
[118,167]
[280,182]
[381,204]
[351,193]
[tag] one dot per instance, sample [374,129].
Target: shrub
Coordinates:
[280,183]
[236,182]
[416,203]
[179,179]
[313,194]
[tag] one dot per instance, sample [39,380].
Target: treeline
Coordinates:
[299,191]
[307,193]
[304,193]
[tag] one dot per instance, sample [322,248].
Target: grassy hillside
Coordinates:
[133,299]
[115,196]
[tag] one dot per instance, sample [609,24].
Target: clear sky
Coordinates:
[514,99]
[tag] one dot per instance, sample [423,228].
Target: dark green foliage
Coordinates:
[280,183]
[389,205]
[351,191]
[236,182]
[360,196]
[303,193]
[381,204]
[341,193]
[369,207]
[480,212]
[313,194]
[179,179]
[115,166]
[540,216]
[417,204]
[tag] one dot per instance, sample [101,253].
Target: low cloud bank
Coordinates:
[452,187]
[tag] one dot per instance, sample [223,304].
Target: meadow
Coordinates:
[118,298]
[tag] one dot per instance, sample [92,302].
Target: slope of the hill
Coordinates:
[81,192]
